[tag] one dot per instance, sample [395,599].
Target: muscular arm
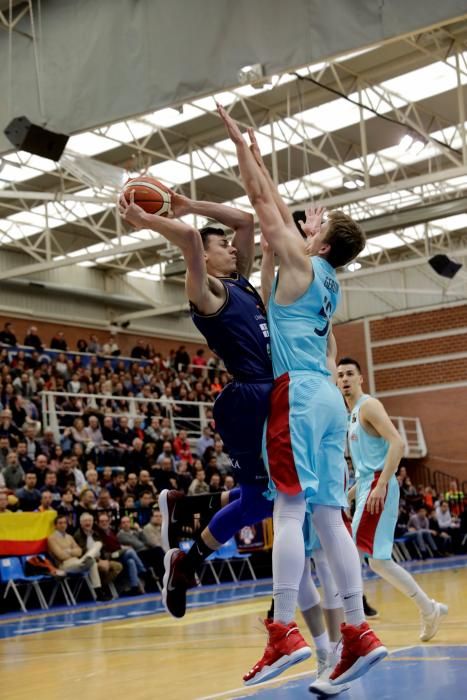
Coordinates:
[204,291]
[373,414]
[240,222]
[284,239]
[283,209]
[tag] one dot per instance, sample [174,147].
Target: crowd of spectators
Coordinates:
[435,522]
[109,455]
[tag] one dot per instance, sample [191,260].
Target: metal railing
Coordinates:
[192,416]
[71,354]
[410,429]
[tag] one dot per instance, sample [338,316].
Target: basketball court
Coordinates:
[136,650]
[356,105]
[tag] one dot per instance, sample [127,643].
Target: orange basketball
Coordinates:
[150,194]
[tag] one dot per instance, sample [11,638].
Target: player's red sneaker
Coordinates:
[285,648]
[361,648]
[176,582]
[170,529]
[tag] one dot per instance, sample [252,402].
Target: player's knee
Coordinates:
[290,507]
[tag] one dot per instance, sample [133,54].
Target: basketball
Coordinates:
[150,194]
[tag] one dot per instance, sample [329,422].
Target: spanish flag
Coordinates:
[25,533]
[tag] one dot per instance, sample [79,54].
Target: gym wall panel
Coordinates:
[106,60]
[442,415]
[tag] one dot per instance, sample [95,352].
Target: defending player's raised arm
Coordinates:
[374,414]
[284,210]
[267,270]
[240,222]
[284,239]
[185,237]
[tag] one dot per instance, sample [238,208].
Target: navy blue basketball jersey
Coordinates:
[238,333]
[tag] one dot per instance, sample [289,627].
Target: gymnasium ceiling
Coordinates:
[380,133]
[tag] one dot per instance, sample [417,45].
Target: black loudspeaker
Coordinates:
[444,266]
[35,139]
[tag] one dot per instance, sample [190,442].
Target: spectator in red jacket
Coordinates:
[182,447]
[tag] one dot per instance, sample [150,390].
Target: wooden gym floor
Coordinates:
[127,651]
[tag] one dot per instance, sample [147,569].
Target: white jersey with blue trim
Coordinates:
[299,331]
[368,452]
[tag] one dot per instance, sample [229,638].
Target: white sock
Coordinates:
[403,581]
[285,602]
[288,554]
[352,604]
[343,559]
[322,642]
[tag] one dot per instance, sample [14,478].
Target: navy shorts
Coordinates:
[240,413]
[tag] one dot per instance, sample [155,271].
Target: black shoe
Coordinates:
[102,595]
[368,610]
[134,590]
[170,529]
[176,582]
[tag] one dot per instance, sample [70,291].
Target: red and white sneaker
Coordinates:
[285,648]
[170,530]
[361,648]
[177,580]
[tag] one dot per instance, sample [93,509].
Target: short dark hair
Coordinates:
[58,517]
[349,361]
[208,231]
[346,238]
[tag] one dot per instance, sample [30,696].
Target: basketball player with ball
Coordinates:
[230,314]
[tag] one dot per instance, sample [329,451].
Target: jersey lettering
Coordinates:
[325,312]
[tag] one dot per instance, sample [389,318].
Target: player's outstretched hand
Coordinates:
[375,502]
[231,125]
[314,219]
[131,212]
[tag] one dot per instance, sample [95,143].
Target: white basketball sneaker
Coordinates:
[431,622]
[322,686]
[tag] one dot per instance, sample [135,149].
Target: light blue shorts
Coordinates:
[304,439]
[374,534]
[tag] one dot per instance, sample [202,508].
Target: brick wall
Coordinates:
[420,348]
[350,338]
[445,372]
[421,322]
[443,417]
[442,411]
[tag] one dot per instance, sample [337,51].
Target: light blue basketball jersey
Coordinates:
[368,452]
[299,331]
